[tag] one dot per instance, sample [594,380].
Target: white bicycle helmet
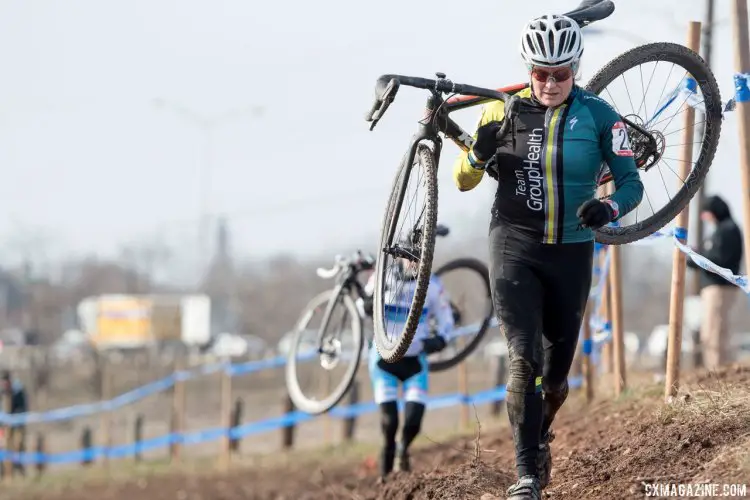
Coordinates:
[552,40]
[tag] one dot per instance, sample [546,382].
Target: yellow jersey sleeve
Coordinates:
[466,176]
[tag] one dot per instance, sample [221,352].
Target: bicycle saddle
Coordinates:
[589,11]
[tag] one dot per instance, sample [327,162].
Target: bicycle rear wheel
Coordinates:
[325,349]
[414,251]
[698,81]
[478,268]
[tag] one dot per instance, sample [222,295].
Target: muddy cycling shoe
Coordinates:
[544,459]
[527,488]
[402,460]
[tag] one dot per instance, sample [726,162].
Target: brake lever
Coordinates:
[512,113]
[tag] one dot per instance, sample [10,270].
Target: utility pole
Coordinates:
[207,126]
[708,29]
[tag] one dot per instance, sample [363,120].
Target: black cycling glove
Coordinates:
[596,213]
[486,144]
[433,344]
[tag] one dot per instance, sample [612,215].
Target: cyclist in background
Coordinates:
[411,371]
[541,231]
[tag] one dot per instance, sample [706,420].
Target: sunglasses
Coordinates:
[559,75]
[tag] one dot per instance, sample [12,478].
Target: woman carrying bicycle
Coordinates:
[411,371]
[541,232]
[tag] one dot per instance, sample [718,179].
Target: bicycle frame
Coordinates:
[436,119]
[430,126]
[346,281]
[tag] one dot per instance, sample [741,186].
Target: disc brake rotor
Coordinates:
[330,353]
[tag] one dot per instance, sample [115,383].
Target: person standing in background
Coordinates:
[723,248]
[13,389]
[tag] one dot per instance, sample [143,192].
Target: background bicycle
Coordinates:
[333,330]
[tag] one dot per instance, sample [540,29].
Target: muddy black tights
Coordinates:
[539,293]
[413,414]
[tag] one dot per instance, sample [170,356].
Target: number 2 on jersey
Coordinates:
[620,142]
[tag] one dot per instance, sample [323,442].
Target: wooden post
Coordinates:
[618,341]
[463,387]
[351,422]
[138,436]
[576,367]
[234,443]
[604,312]
[226,416]
[177,423]
[106,416]
[587,367]
[41,449]
[7,463]
[287,433]
[677,295]
[87,442]
[326,417]
[742,65]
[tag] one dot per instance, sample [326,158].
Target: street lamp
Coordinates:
[206,125]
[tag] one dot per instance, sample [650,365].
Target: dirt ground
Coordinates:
[607,450]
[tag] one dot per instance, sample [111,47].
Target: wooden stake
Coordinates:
[106,416]
[742,65]
[463,387]
[617,352]
[226,417]
[587,367]
[605,313]
[7,463]
[178,410]
[677,295]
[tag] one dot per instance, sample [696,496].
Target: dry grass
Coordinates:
[720,400]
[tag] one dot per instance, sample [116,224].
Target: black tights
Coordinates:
[539,293]
[413,413]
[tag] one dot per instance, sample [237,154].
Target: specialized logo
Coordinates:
[466,139]
[529,178]
[620,141]
[573,122]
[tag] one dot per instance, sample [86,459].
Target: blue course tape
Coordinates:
[586,347]
[149,389]
[680,233]
[691,84]
[266,425]
[120,401]
[741,90]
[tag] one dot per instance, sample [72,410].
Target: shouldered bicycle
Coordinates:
[647,139]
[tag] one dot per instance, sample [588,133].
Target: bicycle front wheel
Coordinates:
[687,83]
[326,348]
[404,264]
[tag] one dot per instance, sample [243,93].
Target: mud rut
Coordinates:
[602,453]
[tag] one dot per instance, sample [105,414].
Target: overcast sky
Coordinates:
[91,163]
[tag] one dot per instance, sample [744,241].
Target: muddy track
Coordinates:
[605,452]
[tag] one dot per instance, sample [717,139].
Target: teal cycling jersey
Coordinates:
[555,166]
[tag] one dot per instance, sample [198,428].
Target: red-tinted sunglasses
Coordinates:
[560,75]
